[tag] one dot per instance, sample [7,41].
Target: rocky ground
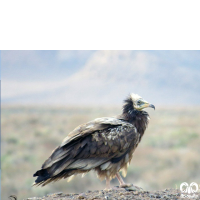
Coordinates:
[117,194]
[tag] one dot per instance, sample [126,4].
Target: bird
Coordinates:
[105,145]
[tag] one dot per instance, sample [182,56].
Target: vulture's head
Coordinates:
[135,102]
[139,103]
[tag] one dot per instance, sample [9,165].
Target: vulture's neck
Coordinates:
[138,118]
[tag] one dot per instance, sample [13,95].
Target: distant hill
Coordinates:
[106,77]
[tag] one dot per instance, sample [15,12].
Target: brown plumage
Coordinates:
[105,145]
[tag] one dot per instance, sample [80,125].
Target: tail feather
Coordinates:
[42,172]
[42,175]
[44,178]
[60,164]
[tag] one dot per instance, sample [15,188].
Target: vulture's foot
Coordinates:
[127,186]
[114,188]
[130,187]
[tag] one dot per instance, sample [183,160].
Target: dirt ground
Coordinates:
[117,194]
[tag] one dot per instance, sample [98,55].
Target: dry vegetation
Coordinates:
[168,155]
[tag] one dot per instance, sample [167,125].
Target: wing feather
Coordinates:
[92,126]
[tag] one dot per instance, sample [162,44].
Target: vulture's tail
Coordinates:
[43,177]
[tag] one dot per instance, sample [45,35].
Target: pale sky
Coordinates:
[30,74]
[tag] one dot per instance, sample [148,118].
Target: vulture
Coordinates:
[105,145]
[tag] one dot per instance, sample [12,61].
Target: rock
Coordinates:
[101,193]
[171,194]
[82,196]
[58,193]
[136,192]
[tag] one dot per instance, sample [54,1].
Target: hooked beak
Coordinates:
[152,106]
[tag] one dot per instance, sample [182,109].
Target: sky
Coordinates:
[59,77]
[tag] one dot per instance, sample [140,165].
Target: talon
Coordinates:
[133,188]
[118,188]
[125,185]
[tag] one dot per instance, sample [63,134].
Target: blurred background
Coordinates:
[46,94]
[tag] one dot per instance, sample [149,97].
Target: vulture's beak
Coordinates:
[145,104]
[152,106]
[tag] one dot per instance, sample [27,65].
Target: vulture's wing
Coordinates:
[92,126]
[88,146]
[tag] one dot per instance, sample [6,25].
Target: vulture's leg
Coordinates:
[125,185]
[121,181]
[107,183]
[108,187]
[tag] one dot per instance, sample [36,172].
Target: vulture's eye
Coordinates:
[139,102]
